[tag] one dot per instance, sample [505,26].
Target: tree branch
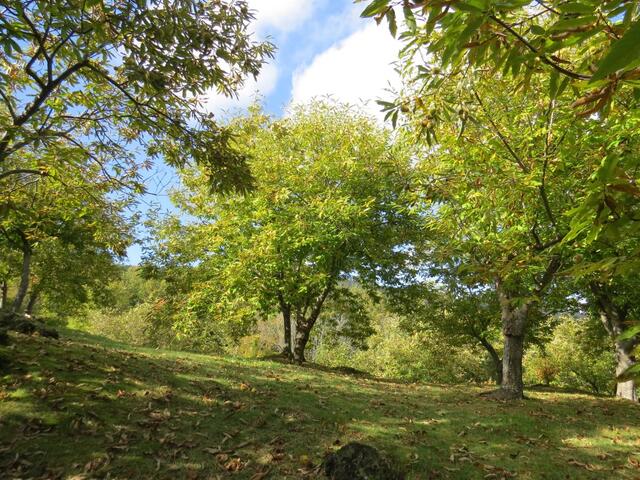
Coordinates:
[541,56]
[19,171]
[503,139]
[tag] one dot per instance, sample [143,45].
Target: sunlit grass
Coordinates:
[99,408]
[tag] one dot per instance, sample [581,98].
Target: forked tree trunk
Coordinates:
[303,331]
[24,277]
[304,324]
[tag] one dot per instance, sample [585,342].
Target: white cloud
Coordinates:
[281,15]
[357,69]
[264,85]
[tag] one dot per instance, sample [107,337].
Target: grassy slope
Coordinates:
[87,408]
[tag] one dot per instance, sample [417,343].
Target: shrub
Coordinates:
[578,356]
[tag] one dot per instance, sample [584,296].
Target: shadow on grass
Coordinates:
[94,407]
[343,370]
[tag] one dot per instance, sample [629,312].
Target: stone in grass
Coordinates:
[48,332]
[26,325]
[356,461]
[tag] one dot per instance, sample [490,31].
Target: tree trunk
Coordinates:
[514,322]
[24,278]
[625,359]
[305,324]
[303,330]
[286,318]
[495,358]
[33,298]
[512,384]
[3,299]
[613,317]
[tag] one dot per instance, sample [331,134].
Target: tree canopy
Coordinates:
[327,208]
[93,78]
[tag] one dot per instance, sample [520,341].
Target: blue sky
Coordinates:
[324,48]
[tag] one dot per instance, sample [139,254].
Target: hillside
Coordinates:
[84,407]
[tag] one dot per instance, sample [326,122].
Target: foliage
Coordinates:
[426,356]
[89,80]
[327,206]
[498,187]
[132,309]
[466,315]
[394,348]
[66,277]
[129,326]
[587,45]
[578,356]
[346,319]
[581,52]
[63,236]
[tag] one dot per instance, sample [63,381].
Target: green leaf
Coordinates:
[472,27]
[623,52]
[607,168]
[538,30]
[575,7]
[632,372]
[409,19]
[553,84]
[374,8]
[476,6]
[572,23]
[393,24]
[630,333]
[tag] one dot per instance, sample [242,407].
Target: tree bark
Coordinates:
[495,358]
[512,384]
[303,330]
[613,318]
[515,319]
[514,322]
[5,290]
[24,277]
[33,298]
[305,324]
[286,318]
[625,359]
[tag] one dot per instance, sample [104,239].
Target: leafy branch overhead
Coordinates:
[97,76]
[588,45]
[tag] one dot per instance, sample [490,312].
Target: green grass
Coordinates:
[84,407]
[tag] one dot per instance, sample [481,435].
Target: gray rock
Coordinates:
[26,325]
[48,333]
[356,461]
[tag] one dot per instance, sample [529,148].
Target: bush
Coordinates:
[394,353]
[130,326]
[578,356]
